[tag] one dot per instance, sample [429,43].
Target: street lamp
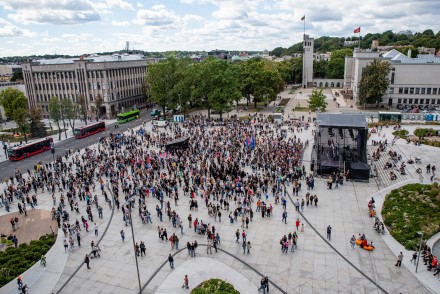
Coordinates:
[420,248]
[129,202]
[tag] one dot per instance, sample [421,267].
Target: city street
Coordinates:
[7,167]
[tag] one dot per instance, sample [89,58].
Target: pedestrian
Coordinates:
[100,212]
[302,227]
[414,257]
[399,259]
[244,247]
[66,245]
[78,239]
[297,224]
[122,235]
[87,261]
[243,235]
[329,232]
[185,282]
[237,235]
[171,260]
[143,249]
[95,227]
[284,219]
[248,247]
[209,247]
[353,241]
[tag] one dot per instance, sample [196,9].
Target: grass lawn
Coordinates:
[411,209]
[214,286]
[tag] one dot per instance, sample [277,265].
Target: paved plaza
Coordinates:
[318,265]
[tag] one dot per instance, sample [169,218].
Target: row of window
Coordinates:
[113,96]
[90,73]
[416,91]
[418,101]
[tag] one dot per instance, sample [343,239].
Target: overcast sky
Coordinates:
[87,26]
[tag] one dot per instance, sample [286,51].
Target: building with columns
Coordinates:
[308,47]
[119,79]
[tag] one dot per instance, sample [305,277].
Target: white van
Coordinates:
[160,123]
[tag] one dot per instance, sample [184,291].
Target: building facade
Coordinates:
[118,79]
[308,47]
[414,82]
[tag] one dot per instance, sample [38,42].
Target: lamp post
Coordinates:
[420,248]
[180,105]
[129,202]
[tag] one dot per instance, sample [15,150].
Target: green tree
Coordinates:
[70,111]
[17,75]
[258,81]
[162,79]
[335,68]
[21,118]
[55,113]
[225,88]
[374,82]
[216,85]
[37,127]
[317,101]
[98,103]
[82,106]
[320,68]
[8,97]
[14,103]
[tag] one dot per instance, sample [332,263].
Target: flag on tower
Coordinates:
[303,18]
[357,30]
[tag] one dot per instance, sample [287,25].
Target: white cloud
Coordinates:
[120,23]
[51,11]
[120,4]
[158,16]
[199,24]
[9,30]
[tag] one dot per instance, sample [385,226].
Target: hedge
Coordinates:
[423,132]
[411,209]
[214,286]
[15,261]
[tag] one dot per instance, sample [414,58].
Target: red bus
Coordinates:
[89,130]
[20,152]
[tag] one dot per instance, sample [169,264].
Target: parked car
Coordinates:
[160,123]
[155,112]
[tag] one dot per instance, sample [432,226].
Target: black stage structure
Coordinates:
[179,143]
[341,145]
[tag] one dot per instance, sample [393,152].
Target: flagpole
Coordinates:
[304,22]
[359,38]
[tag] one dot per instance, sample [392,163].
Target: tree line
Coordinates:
[213,84]
[426,38]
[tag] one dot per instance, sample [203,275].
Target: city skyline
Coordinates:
[73,27]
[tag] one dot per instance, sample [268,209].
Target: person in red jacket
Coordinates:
[297,224]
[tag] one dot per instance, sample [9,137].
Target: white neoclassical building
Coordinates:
[414,82]
[117,78]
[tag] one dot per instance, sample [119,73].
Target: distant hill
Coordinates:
[387,38]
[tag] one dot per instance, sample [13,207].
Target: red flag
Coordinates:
[357,30]
[303,18]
